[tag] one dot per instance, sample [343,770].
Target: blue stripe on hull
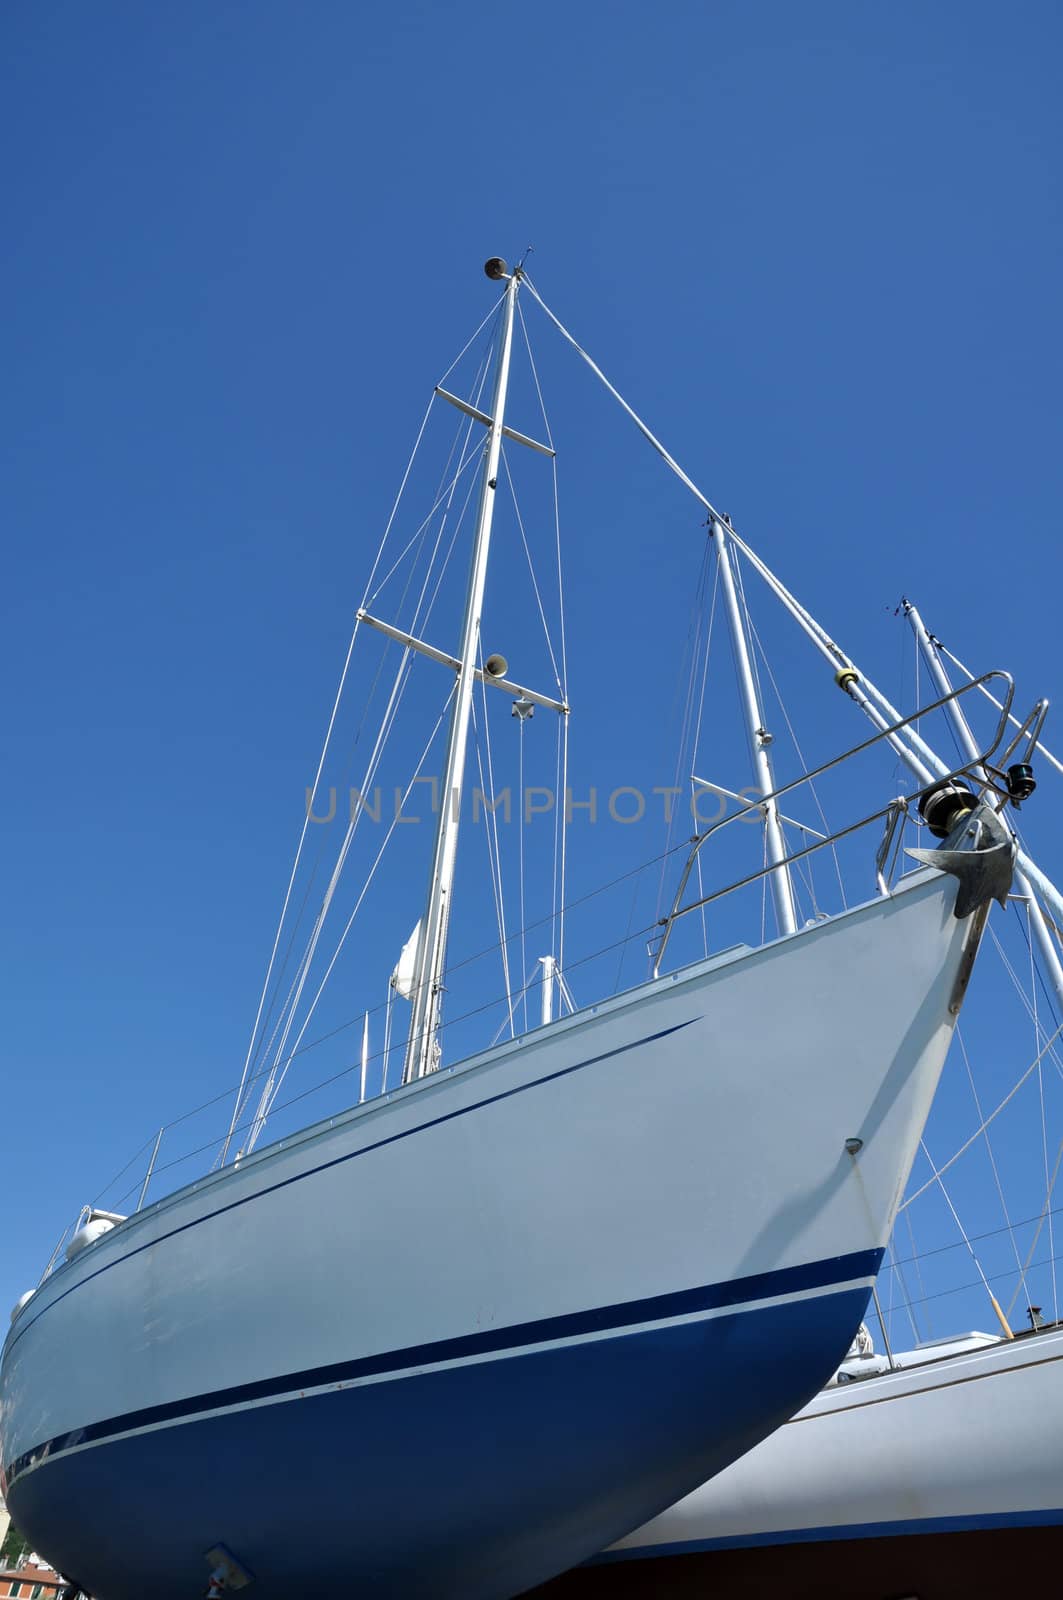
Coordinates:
[601,1319]
[467,1483]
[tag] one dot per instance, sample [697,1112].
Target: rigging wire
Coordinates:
[917,1264]
[561,786]
[911,744]
[251,1051]
[1015,722]
[1044,1124]
[355,1065]
[897,1275]
[805,870]
[398,688]
[758,646]
[1021,992]
[531,568]
[332,1033]
[444,492]
[464,433]
[383,735]
[350,920]
[693,648]
[521,724]
[977,1134]
[494,852]
[507,1020]
[988,1144]
[964,1288]
[1046,1211]
[963,1234]
[699,865]
[321,761]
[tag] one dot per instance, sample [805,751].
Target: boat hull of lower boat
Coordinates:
[463,1337]
[906,1482]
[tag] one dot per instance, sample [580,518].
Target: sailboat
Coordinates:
[458,1337]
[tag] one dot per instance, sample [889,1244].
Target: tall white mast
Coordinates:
[432,946]
[969,745]
[759,739]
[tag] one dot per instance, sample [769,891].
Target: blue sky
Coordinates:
[818,247]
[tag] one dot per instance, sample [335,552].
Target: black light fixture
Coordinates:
[1021,782]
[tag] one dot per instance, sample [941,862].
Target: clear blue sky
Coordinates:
[819,246]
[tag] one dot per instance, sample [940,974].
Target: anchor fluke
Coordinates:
[985,864]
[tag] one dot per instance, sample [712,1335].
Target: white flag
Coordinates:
[404,974]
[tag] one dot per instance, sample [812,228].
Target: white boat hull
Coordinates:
[918,1461]
[464,1336]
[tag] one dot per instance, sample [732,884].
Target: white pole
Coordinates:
[759,740]
[365,1058]
[1041,932]
[151,1168]
[431,955]
[387,1040]
[549,966]
[941,679]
